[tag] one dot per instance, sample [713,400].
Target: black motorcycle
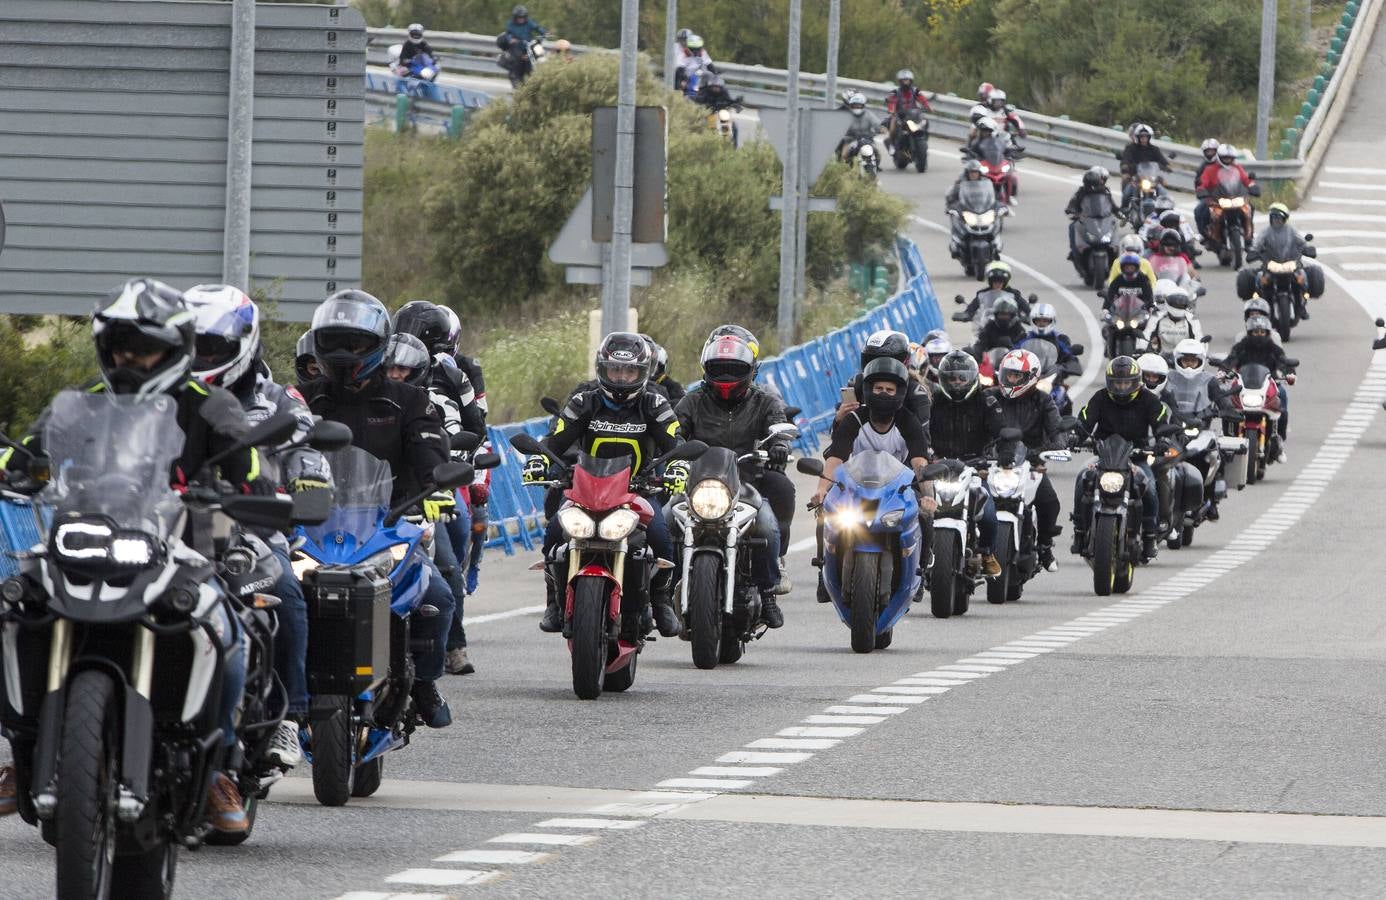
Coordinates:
[910,139]
[1096,237]
[976,220]
[1282,278]
[1113,520]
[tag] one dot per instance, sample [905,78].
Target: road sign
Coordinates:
[115,161]
[821,128]
[574,245]
[651,164]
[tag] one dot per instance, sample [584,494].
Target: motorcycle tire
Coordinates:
[1126,346]
[148,874]
[866,581]
[623,679]
[368,777]
[981,258]
[1254,466]
[333,746]
[588,646]
[901,160]
[1284,316]
[1188,535]
[1124,577]
[233,839]
[1098,264]
[920,151]
[732,648]
[1104,556]
[88,778]
[1313,276]
[1246,283]
[943,582]
[884,638]
[1235,244]
[999,586]
[705,610]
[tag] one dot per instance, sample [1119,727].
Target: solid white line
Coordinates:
[1363,267]
[508,614]
[741,756]
[635,809]
[1354,170]
[388,895]
[443,877]
[718,783]
[494,857]
[747,771]
[1352,185]
[994,660]
[612,824]
[545,840]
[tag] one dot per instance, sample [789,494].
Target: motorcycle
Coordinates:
[910,139]
[364,580]
[421,65]
[717,598]
[1230,226]
[976,220]
[1149,186]
[113,632]
[1256,395]
[871,530]
[1283,278]
[955,566]
[1125,327]
[520,58]
[606,615]
[1113,546]
[864,159]
[1054,374]
[721,119]
[1096,239]
[997,155]
[1163,331]
[1013,485]
[1179,483]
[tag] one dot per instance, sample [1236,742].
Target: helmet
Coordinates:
[1131,243]
[995,270]
[681,36]
[1190,357]
[659,358]
[1095,177]
[984,90]
[1046,312]
[454,330]
[729,367]
[1154,371]
[1256,306]
[885,368]
[1209,147]
[351,331]
[1123,379]
[978,113]
[228,333]
[973,167]
[695,42]
[935,350]
[1139,130]
[1171,242]
[904,75]
[1006,307]
[305,360]
[958,377]
[1129,259]
[519,12]
[415,32]
[1258,323]
[737,331]
[997,99]
[1171,219]
[891,344]
[1177,303]
[1162,288]
[427,322]
[1281,210]
[857,102]
[141,318]
[408,352]
[1227,154]
[623,365]
[1018,373]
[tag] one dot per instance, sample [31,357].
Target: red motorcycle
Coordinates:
[997,154]
[606,612]
[1256,394]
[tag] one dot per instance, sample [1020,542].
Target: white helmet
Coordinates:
[1141,128]
[1044,311]
[1162,289]
[995,95]
[857,102]
[1227,154]
[228,333]
[1131,243]
[415,32]
[1177,302]
[1190,357]
[1209,144]
[1154,371]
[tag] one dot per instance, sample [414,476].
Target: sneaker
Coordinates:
[990,566]
[285,750]
[770,610]
[430,705]
[1045,552]
[1281,456]
[457,662]
[1212,512]
[225,809]
[9,791]
[785,585]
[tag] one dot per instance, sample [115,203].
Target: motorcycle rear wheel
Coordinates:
[705,610]
[333,746]
[588,645]
[368,777]
[866,582]
[1284,315]
[1098,265]
[88,777]
[999,586]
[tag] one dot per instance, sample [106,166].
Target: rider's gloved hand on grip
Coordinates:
[298,485]
[676,477]
[778,455]
[260,487]
[536,470]
[440,505]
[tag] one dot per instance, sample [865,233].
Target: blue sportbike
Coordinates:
[871,532]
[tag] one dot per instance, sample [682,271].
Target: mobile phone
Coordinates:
[849,395]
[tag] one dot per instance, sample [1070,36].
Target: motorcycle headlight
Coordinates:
[1119,324]
[1224,202]
[1112,482]
[892,518]
[912,126]
[724,115]
[987,217]
[1253,399]
[947,492]
[96,542]
[972,218]
[848,517]
[399,551]
[1107,238]
[1282,268]
[576,523]
[618,524]
[1005,167]
[1004,482]
[868,150]
[711,499]
[1146,184]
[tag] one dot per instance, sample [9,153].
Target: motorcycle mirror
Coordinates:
[961,316]
[527,443]
[486,461]
[550,406]
[809,466]
[275,511]
[1077,349]
[466,441]
[933,471]
[686,450]
[1201,291]
[274,430]
[792,412]
[1308,237]
[1381,323]
[1207,339]
[782,430]
[958,298]
[1291,363]
[1032,299]
[328,436]
[453,474]
[1011,434]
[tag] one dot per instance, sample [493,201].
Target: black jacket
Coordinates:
[1035,414]
[737,426]
[672,388]
[471,367]
[916,399]
[1265,353]
[1075,203]
[1135,154]
[1103,416]
[454,384]
[1120,285]
[993,335]
[963,430]
[646,428]
[975,303]
[411,50]
[390,420]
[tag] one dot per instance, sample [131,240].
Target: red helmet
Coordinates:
[729,366]
[1020,371]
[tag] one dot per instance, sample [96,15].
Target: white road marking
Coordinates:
[495,857]
[801,545]
[606,824]
[741,756]
[868,710]
[553,840]
[793,744]
[803,731]
[1354,170]
[718,783]
[508,614]
[909,689]
[386,895]
[842,720]
[443,877]
[874,698]
[732,771]
[1351,186]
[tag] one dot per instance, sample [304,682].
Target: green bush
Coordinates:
[39,365]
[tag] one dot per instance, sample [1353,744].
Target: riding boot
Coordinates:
[770,610]
[662,604]
[552,623]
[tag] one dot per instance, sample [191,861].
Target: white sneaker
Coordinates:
[1282,457]
[285,750]
[785,585]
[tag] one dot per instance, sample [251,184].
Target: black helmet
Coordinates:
[623,365]
[426,321]
[350,330]
[141,318]
[1095,177]
[519,12]
[885,368]
[659,358]
[1171,238]
[729,366]
[958,376]
[1123,379]
[305,360]
[737,331]
[408,352]
[1170,218]
[1004,306]
[887,344]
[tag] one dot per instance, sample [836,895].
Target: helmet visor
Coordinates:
[1123,384]
[1189,361]
[335,340]
[623,374]
[214,351]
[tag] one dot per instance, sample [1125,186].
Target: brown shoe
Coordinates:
[9,791]
[225,810]
[990,567]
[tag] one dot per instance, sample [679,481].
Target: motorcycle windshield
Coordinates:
[1114,453]
[992,150]
[976,196]
[110,455]
[1148,171]
[717,463]
[1230,184]
[361,486]
[1279,245]
[1254,376]
[1046,351]
[1127,306]
[874,468]
[1096,206]
[1173,268]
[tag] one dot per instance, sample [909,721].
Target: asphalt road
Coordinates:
[1214,733]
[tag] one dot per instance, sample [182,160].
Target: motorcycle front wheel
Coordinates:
[1097,270]
[705,610]
[919,149]
[589,636]
[1234,243]
[866,580]
[943,578]
[88,778]
[1104,556]
[1284,315]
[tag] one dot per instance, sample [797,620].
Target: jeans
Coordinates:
[428,665]
[291,642]
[232,641]
[1203,216]
[1150,500]
[986,523]
[778,492]
[451,545]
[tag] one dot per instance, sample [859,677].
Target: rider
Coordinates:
[1256,306]
[1194,395]
[1202,216]
[1130,279]
[145,344]
[479,491]
[306,366]
[1126,408]
[1035,414]
[414,44]
[1172,304]
[1288,242]
[620,417]
[1094,182]
[1004,114]
[927,358]
[1131,244]
[998,278]
[865,126]
[730,411]
[229,355]
[904,98]
[965,420]
[1207,182]
[1043,319]
[971,171]
[1257,347]
[1003,328]
[659,374]
[893,345]
[396,423]
[692,59]
[514,40]
[1141,150]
